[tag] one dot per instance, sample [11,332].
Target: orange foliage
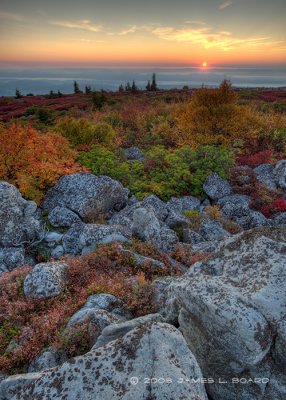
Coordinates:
[34,161]
[214,117]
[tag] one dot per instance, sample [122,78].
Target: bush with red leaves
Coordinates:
[253,160]
[278,205]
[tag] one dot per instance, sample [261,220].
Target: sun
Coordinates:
[204,64]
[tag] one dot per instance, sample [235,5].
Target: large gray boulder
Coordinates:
[235,205]
[279,219]
[125,216]
[19,218]
[148,228]
[45,280]
[62,216]
[254,219]
[216,187]
[177,207]
[280,174]
[93,307]
[87,195]
[151,361]
[265,175]
[82,238]
[230,308]
[49,358]
[212,230]
[11,257]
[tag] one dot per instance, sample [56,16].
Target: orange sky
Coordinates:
[219,33]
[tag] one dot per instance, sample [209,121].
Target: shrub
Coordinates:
[195,219]
[214,117]
[27,326]
[76,131]
[80,131]
[213,212]
[278,205]
[43,114]
[253,160]
[103,134]
[75,340]
[32,161]
[206,160]
[165,173]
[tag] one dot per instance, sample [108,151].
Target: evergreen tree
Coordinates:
[18,94]
[121,88]
[98,99]
[128,87]
[76,88]
[154,83]
[60,93]
[87,89]
[134,88]
[148,87]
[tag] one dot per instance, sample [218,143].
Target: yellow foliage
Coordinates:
[214,117]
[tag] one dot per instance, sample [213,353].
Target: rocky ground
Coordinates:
[219,329]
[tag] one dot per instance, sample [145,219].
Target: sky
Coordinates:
[142,33]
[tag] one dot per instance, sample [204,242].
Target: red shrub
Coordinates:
[278,205]
[29,325]
[253,160]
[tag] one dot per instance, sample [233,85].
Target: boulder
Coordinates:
[45,280]
[212,231]
[140,260]
[19,218]
[57,252]
[230,309]
[95,320]
[279,218]
[52,237]
[147,227]
[151,361]
[265,174]
[235,205]
[125,216]
[82,238]
[99,310]
[49,358]
[185,203]
[116,331]
[145,224]
[62,216]
[177,206]
[192,237]
[10,258]
[280,174]
[216,187]
[253,220]
[133,153]
[87,195]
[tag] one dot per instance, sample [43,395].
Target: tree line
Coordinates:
[133,88]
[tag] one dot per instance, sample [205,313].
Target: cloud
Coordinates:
[10,16]
[208,38]
[83,24]
[225,4]
[195,22]
[129,30]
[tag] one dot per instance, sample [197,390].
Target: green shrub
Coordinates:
[77,131]
[165,173]
[103,133]
[83,132]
